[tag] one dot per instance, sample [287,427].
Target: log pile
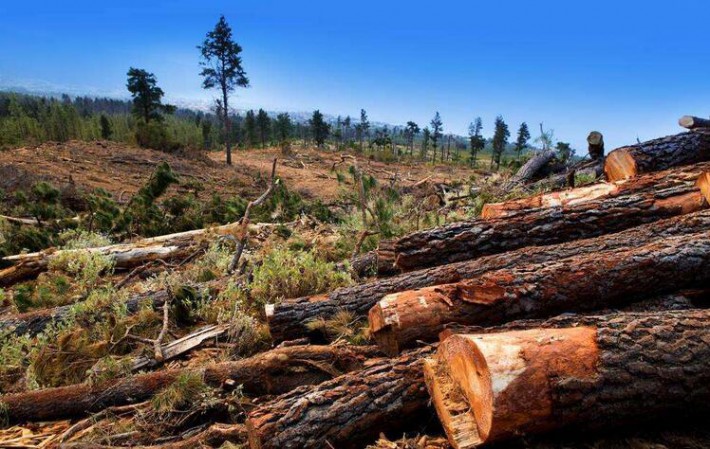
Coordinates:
[581,309]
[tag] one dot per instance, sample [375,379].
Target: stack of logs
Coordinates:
[583,308]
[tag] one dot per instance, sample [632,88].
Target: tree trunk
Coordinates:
[530,170]
[125,255]
[289,319]
[540,227]
[595,142]
[494,387]
[348,411]
[274,372]
[34,322]
[227,125]
[690,122]
[567,198]
[658,154]
[587,282]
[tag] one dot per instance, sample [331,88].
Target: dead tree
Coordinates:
[345,412]
[582,283]
[566,198]
[541,227]
[497,386]
[290,319]
[690,122]
[658,154]
[273,372]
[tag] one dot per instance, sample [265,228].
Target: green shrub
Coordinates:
[289,274]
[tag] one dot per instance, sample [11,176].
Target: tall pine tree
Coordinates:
[500,140]
[436,133]
[521,142]
[319,128]
[476,140]
[222,69]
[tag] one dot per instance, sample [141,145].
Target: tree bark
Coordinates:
[348,411]
[35,322]
[541,227]
[587,282]
[493,387]
[125,255]
[289,319]
[530,171]
[690,122]
[273,372]
[567,198]
[658,154]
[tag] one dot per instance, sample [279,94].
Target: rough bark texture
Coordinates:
[347,411]
[690,122]
[34,322]
[651,182]
[273,372]
[125,255]
[539,227]
[530,171]
[658,154]
[289,320]
[586,282]
[631,367]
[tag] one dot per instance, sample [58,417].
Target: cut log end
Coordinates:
[690,122]
[505,379]
[703,184]
[595,138]
[619,165]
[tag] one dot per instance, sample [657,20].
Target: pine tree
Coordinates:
[364,128]
[147,96]
[222,69]
[500,140]
[263,124]
[523,137]
[250,129]
[346,125]
[436,133]
[283,127]
[425,143]
[411,131]
[106,130]
[478,143]
[319,128]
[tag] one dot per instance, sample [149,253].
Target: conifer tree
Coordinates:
[250,129]
[364,128]
[106,130]
[411,131]
[500,140]
[436,133]
[283,127]
[147,96]
[222,69]
[523,137]
[478,143]
[319,128]
[426,136]
[263,124]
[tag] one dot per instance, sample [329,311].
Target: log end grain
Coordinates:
[619,165]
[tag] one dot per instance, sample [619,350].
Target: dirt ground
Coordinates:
[122,169]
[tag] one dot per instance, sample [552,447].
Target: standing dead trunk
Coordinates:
[387,395]
[595,142]
[541,227]
[290,319]
[586,282]
[492,387]
[273,372]
[658,154]
[567,198]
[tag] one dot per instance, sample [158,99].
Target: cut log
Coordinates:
[595,142]
[690,122]
[540,227]
[587,282]
[289,320]
[658,154]
[530,171]
[493,387]
[125,255]
[567,198]
[34,322]
[348,411]
[272,372]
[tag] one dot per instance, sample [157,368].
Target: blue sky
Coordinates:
[626,68]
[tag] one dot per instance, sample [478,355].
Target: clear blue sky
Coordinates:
[626,68]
